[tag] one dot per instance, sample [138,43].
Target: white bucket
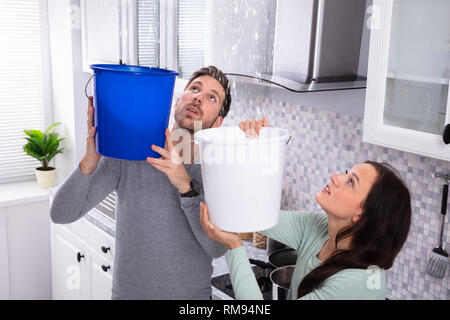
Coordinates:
[242,177]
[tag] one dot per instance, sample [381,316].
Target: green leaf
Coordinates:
[31,153]
[35,134]
[51,140]
[51,127]
[37,144]
[34,148]
[54,153]
[38,134]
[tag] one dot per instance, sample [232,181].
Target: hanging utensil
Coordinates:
[438,259]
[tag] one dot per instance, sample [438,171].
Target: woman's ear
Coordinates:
[357,216]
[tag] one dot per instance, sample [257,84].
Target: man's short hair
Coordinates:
[222,79]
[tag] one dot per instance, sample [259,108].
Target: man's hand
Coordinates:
[228,239]
[170,163]
[252,128]
[91,157]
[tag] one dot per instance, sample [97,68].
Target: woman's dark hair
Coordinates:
[222,79]
[378,235]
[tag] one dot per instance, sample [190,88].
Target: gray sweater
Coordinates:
[162,252]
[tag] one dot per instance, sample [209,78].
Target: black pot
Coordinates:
[283,257]
[277,259]
[274,245]
[281,281]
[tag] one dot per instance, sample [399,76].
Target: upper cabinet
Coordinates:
[407,100]
[108,32]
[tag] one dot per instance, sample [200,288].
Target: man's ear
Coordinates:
[218,122]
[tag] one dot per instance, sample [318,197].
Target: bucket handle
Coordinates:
[86,86]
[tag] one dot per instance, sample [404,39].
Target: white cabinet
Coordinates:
[68,274]
[25,250]
[407,100]
[108,32]
[82,261]
[100,276]
[4,261]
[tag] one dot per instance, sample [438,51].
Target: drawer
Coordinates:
[100,241]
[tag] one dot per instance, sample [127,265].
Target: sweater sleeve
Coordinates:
[191,208]
[290,228]
[79,193]
[242,277]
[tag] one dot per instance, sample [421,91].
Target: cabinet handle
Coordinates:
[446,134]
[79,256]
[105,268]
[105,249]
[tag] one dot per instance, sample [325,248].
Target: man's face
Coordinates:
[201,101]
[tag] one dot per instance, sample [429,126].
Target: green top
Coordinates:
[306,232]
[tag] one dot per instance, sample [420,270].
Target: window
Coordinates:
[191,36]
[24,83]
[148,33]
[171,34]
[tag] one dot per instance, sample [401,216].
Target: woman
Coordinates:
[341,255]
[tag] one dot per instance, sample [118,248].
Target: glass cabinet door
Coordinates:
[417,83]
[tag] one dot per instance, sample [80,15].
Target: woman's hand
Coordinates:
[228,239]
[252,128]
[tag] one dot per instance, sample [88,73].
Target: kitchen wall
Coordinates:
[242,35]
[326,142]
[68,81]
[326,131]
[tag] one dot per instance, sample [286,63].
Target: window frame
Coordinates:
[168,37]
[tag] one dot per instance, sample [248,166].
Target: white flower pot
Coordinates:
[45,178]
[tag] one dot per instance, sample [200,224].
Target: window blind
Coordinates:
[24,83]
[148,33]
[191,36]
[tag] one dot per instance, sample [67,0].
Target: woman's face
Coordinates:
[344,196]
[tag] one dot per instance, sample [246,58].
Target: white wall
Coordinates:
[242,35]
[68,81]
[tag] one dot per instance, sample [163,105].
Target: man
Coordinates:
[162,251]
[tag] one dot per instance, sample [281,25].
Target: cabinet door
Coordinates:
[407,101]
[4,261]
[68,274]
[101,32]
[100,276]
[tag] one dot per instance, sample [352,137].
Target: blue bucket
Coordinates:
[132,109]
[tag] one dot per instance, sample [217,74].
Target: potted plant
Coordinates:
[43,146]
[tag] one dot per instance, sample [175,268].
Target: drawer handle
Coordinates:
[105,268]
[79,256]
[105,249]
[446,134]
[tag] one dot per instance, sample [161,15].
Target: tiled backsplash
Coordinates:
[324,143]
